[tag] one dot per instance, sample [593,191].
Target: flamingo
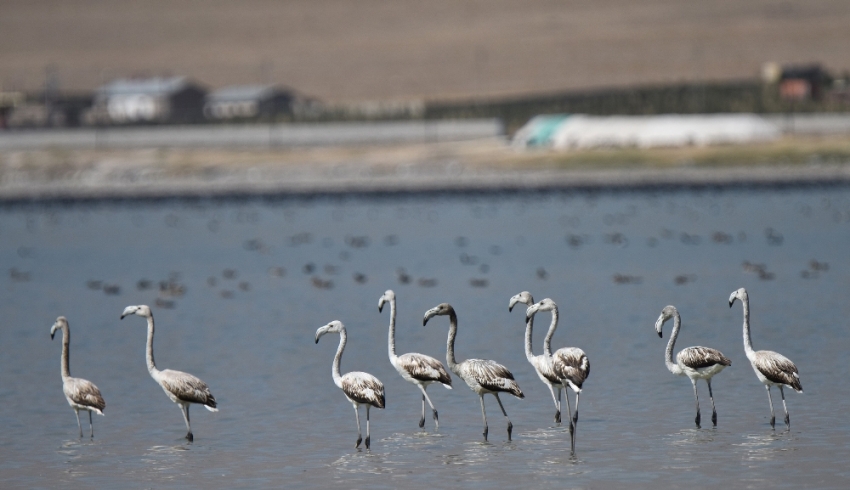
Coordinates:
[693,362]
[772,369]
[418,369]
[569,364]
[181,388]
[542,364]
[81,393]
[360,388]
[482,376]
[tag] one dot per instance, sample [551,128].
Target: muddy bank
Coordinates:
[481,165]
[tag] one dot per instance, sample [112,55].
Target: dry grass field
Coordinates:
[340,50]
[56,164]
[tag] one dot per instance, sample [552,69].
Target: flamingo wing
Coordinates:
[493,376]
[425,368]
[187,388]
[84,392]
[777,369]
[702,357]
[364,388]
[571,364]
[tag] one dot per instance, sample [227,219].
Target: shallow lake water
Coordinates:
[239,287]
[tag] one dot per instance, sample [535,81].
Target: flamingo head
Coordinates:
[440,309]
[667,313]
[60,322]
[740,294]
[523,297]
[545,305]
[388,297]
[335,326]
[141,310]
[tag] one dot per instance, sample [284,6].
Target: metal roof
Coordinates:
[146,86]
[244,92]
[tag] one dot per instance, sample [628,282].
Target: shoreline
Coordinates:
[487,165]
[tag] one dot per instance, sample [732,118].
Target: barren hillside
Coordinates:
[341,50]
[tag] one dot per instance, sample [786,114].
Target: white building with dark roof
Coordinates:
[150,100]
[248,102]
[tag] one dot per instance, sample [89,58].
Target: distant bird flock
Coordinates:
[567,367]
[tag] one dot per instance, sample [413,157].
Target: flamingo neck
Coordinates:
[748,341]
[66,342]
[149,349]
[529,326]
[450,343]
[343,338]
[668,354]
[391,339]
[547,342]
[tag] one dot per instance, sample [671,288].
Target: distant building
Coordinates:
[42,110]
[8,102]
[579,131]
[805,82]
[248,102]
[839,92]
[149,100]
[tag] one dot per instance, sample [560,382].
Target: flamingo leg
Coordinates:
[510,425]
[91,425]
[185,410]
[575,420]
[557,402]
[713,410]
[484,414]
[422,418]
[572,421]
[424,398]
[77,413]
[787,417]
[769,399]
[357,417]
[368,437]
[697,419]
[575,415]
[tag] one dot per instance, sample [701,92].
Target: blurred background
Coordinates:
[89,62]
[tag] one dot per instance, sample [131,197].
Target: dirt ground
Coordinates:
[339,50]
[489,154]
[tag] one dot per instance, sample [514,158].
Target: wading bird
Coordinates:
[569,364]
[482,376]
[693,362]
[360,388]
[418,369]
[182,388]
[771,368]
[542,364]
[81,394]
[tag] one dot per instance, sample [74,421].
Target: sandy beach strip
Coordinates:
[415,157]
[153,175]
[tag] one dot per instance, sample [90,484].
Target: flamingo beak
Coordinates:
[428,314]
